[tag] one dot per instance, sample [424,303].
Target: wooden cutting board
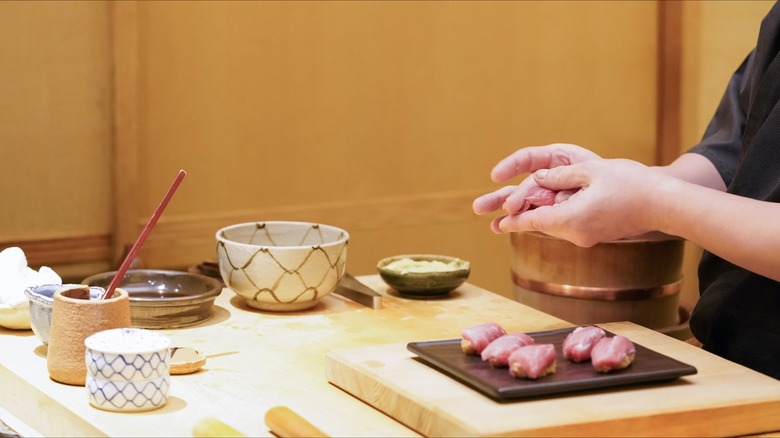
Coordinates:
[723,398]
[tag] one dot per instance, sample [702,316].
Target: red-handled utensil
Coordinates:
[142,238]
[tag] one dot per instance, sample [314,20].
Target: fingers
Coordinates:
[522,161]
[492,201]
[560,178]
[559,172]
[548,220]
[563,195]
[562,182]
[495,225]
[519,222]
[532,158]
[516,201]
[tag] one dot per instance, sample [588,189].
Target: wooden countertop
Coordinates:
[721,399]
[257,360]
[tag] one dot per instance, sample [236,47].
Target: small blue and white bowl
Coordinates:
[41,299]
[128,369]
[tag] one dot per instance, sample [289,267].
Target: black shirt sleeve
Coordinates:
[722,140]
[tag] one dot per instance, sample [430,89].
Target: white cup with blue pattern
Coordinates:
[128,369]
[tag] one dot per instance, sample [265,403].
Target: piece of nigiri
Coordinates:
[474,339]
[497,352]
[580,342]
[533,361]
[613,353]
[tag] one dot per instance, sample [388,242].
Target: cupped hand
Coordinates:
[512,199]
[612,202]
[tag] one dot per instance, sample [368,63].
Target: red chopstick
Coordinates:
[120,274]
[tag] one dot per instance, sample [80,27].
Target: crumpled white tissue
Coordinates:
[15,277]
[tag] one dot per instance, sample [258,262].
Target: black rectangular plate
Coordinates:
[447,357]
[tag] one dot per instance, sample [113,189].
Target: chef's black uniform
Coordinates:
[738,313]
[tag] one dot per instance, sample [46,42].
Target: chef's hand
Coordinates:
[512,199]
[533,158]
[610,201]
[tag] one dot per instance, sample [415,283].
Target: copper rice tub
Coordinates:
[636,280]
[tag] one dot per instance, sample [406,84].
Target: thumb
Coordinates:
[562,177]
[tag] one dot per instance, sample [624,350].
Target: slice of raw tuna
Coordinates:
[613,353]
[474,339]
[532,361]
[580,342]
[497,352]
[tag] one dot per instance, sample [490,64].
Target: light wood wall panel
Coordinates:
[382,117]
[54,119]
[717,37]
[55,132]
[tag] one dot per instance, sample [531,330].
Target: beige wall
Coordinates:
[55,129]
[55,111]
[381,117]
[716,38]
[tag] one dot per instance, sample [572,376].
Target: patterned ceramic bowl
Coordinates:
[128,369]
[282,266]
[41,299]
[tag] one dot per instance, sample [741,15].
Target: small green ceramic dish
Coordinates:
[423,274]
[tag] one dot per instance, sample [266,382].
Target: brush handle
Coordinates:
[120,274]
[284,423]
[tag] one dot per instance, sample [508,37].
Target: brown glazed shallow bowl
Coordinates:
[420,282]
[162,299]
